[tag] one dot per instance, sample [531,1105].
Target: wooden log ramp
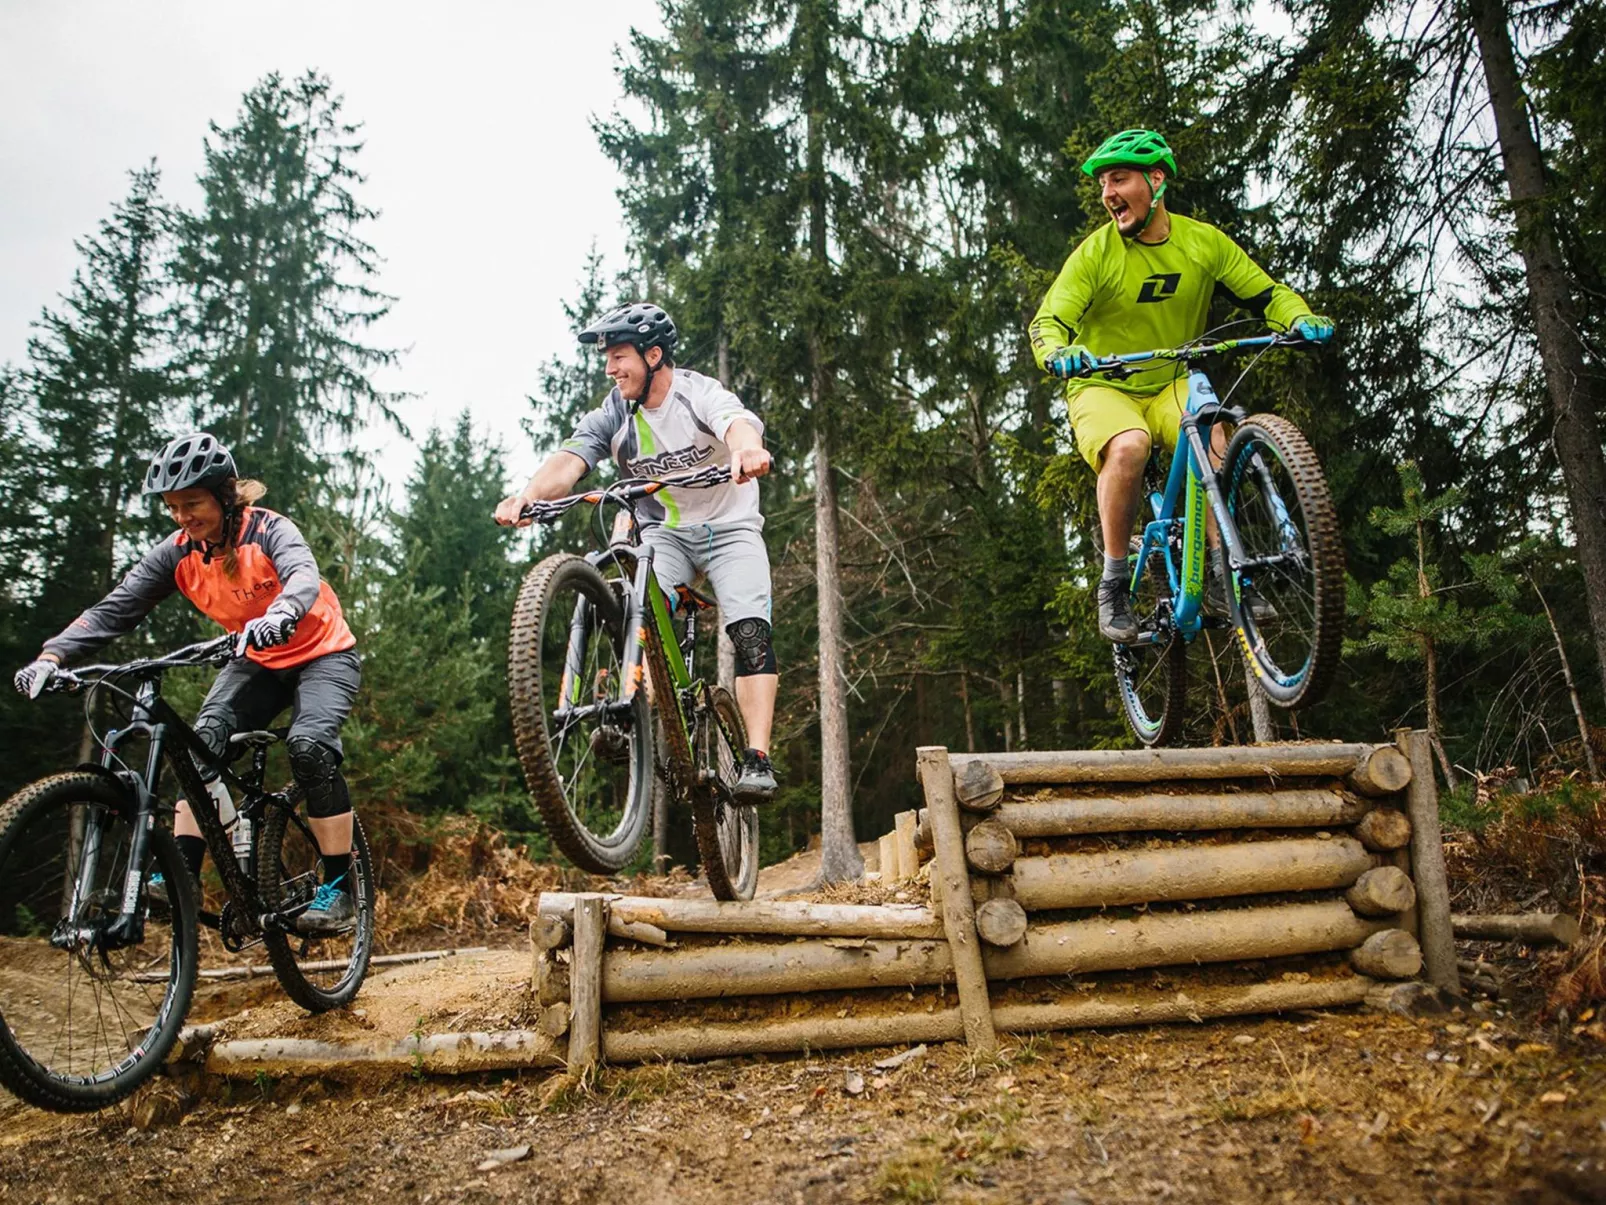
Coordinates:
[1370,770]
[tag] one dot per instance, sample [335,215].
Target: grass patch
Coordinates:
[979,1139]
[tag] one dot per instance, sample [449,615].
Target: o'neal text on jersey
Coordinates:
[670,462]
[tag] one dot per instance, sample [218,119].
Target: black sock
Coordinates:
[338,866]
[193,851]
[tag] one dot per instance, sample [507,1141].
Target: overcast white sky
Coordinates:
[479,154]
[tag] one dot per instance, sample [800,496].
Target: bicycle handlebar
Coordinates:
[625,491]
[1122,365]
[217,651]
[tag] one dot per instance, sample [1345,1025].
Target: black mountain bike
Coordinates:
[586,632]
[96,967]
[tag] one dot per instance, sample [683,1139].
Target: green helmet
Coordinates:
[1131,148]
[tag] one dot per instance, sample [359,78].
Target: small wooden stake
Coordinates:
[887,848]
[1427,866]
[904,836]
[958,912]
[585,982]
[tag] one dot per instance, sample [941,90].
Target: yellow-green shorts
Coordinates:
[1099,413]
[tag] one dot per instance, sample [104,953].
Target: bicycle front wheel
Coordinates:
[1291,595]
[1151,676]
[585,749]
[727,832]
[89,1009]
[319,971]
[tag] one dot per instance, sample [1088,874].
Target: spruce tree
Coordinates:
[277,287]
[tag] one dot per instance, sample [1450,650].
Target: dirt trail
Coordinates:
[1328,1108]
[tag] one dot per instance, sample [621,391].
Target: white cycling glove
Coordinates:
[32,678]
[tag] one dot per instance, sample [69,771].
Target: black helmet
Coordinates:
[641,324]
[190,461]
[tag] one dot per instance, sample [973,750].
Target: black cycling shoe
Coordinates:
[1115,611]
[757,781]
[610,744]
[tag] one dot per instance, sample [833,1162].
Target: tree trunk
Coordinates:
[1259,710]
[839,849]
[1572,687]
[1574,396]
[970,716]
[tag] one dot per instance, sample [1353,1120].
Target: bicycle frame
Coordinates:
[1191,485]
[156,720]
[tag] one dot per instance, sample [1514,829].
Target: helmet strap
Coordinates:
[1155,194]
[646,386]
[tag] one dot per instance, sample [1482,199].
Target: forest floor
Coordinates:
[1483,1104]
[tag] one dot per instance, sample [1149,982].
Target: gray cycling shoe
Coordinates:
[1115,611]
[757,781]
[1215,601]
[332,911]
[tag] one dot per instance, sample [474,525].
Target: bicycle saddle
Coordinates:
[692,600]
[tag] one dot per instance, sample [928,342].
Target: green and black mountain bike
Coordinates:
[593,652]
[96,965]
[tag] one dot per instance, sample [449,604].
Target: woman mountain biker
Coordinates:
[249,570]
[657,421]
[1143,280]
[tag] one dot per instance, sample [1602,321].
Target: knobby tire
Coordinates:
[726,832]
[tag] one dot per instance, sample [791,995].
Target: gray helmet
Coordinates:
[190,461]
[641,324]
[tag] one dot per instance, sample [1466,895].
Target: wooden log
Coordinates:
[1192,872]
[963,947]
[1537,928]
[1287,760]
[1391,954]
[433,1054]
[549,932]
[1098,944]
[1408,920]
[254,970]
[1384,771]
[903,833]
[1001,922]
[1382,891]
[793,918]
[978,786]
[1181,813]
[1384,829]
[585,982]
[1427,866]
[887,851]
[554,1020]
[1146,1007]
[638,930]
[551,980]
[991,848]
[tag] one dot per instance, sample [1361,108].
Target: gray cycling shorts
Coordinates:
[735,560]
[246,696]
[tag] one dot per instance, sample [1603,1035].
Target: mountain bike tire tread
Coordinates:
[724,881]
[528,710]
[1326,549]
[18,1071]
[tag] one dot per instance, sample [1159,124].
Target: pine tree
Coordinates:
[277,287]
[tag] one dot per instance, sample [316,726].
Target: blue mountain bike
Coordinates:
[1284,557]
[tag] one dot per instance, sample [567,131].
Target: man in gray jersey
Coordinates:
[658,421]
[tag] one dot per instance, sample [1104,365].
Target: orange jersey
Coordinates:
[274,565]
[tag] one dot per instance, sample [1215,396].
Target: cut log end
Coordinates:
[1382,891]
[1384,829]
[1391,954]
[991,848]
[1001,922]
[549,932]
[978,787]
[1381,771]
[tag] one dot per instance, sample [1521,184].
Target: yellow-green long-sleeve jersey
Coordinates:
[1117,295]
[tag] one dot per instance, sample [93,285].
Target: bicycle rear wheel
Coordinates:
[1284,515]
[85,1017]
[323,970]
[727,832]
[1152,677]
[586,752]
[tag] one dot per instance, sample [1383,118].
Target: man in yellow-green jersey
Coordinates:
[1144,280]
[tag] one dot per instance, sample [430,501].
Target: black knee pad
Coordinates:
[214,733]
[316,768]
[755,654]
